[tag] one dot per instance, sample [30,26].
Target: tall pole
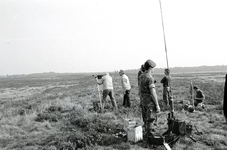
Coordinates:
[164,34]
[170,91]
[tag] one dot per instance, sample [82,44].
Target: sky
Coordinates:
[73,36]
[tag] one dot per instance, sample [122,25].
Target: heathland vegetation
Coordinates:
[54,111]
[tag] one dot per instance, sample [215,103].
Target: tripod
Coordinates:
[177,129]
[100,100]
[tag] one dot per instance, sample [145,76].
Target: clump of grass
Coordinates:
[46,117]
[54,109]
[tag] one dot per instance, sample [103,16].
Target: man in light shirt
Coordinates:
[126,88]
[107,83]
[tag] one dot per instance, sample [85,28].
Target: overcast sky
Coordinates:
[105,35]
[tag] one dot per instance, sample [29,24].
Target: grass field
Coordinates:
[55,112]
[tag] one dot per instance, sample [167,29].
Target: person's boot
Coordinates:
[149,130]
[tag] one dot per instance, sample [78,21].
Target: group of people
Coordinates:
[148,97]
[107,83]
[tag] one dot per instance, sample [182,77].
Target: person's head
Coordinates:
[149,65]
[142,68]
[195,88]
[106,74]
[167,71]
[121,72]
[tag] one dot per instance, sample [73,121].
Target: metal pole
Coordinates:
[170,92]
[164,34]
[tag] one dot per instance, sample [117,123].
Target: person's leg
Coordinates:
[104,96]
[114,104]
[198,102]
[127,97]
[124,101]
[143,108]
[150,116]
[165,98]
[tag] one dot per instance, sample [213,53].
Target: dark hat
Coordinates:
[121,71]
[149,63]
[195,87]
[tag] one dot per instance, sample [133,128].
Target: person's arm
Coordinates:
[154,97]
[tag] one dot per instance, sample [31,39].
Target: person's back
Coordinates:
[107,82]
[125,82]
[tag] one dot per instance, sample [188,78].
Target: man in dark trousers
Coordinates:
[166,89]
[126,88]
[225,99]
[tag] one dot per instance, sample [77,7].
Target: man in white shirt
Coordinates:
[107,83]
[126,88]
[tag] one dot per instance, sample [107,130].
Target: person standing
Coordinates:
[126,88]
[107,83]
[141,71]
[166,89]
[199,97]
[149,99]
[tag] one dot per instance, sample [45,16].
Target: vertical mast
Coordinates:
[164,34]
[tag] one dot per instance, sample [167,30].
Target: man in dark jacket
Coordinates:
[166,89]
